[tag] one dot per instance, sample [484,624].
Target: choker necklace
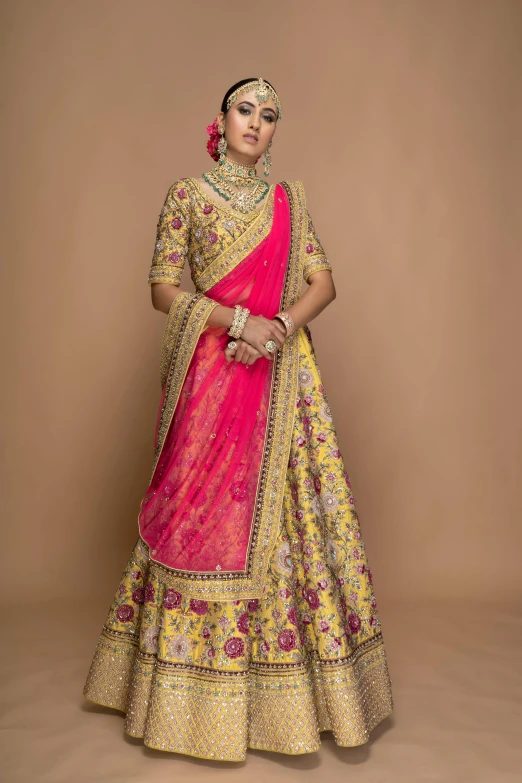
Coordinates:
[237,183]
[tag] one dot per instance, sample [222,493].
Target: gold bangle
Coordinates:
[288,321]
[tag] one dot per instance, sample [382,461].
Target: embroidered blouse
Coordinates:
[193,227]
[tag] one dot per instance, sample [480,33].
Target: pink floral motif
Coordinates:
[198,607]
[135,575]
[335,453]
[284,592]
[294,462]
[174,257]
[180,646]
[176,223]
[310,248]
[357,535]
[206,632]
[354,621]
[311,598]
[299,515]
[342,602]
[234,647]
[354,598]
[308,550]
[182,193]
[306,618]
[307,424]
[370,577]
[151,636]
[242,623]
[324,626]
[300,441]
[323,584]
[308,399]
[276,614]
[317,484]
[373,602]
[212,237]
[346,477]
[210,652]
[125,613]
[361,568]
[287,639]
[171,599]
[292,616]
[138,596]
[258,628]
[321,437]
[295,495]
[223,622]
[149,593]
[264,647]
[207,209]
[122,590]
[356,554]
[253,605]
[351,500]
[373,622]
[320,567]
[238,491]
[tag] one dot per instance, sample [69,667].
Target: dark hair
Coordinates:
[235,87]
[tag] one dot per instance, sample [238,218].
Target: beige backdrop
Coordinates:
[402,119]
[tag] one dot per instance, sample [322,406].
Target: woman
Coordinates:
[246,615]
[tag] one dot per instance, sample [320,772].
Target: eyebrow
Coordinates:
[252,105]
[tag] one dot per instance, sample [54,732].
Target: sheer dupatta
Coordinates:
[197,514]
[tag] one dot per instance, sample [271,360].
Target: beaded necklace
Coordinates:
[237,183]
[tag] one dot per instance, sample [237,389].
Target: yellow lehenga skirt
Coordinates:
[211,679]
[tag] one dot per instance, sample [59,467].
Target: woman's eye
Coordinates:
[269,118]
[244,109]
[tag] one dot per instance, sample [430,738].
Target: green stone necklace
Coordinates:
[237,183]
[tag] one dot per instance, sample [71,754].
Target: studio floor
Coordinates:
[456,673]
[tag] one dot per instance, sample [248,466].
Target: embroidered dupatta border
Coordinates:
[255,232]
[186,321]
[183,329]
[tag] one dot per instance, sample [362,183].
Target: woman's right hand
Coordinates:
[258,330]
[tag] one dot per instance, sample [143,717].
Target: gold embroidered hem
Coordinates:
[218,715]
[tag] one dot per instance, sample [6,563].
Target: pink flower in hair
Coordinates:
[213,140]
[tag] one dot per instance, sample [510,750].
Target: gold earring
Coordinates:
[222,145]
[267,160]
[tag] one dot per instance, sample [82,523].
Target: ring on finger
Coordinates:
[232,345]
[270,346]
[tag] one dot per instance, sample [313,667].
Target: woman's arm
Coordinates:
[318,295]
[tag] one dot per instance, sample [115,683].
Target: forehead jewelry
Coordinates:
[262,90]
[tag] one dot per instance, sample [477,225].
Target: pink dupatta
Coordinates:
[198,511]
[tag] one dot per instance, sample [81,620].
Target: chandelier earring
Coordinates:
[267,160]
[222,146]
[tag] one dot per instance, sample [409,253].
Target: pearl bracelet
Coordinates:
[238,322]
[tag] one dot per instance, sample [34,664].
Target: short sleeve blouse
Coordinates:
[172,237]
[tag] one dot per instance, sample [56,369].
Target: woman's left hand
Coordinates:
[244,353]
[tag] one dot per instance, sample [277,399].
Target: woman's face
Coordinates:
[249,127]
